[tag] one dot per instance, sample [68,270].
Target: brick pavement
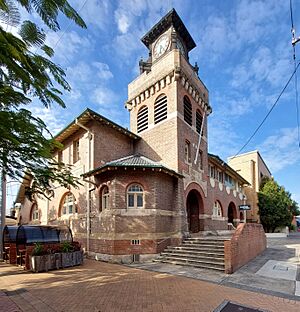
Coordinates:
[98,286]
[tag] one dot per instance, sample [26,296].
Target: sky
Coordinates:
[245,58]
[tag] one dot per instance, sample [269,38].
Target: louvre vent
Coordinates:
[142,119]
[160,109]
[187,110]
[198,121]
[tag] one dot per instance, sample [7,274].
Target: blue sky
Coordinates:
[244,54]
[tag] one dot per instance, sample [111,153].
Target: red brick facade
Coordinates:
[178,193]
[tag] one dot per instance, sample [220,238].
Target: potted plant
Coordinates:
[38,261]
[66,254]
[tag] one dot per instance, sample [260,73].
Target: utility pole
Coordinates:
[3,211]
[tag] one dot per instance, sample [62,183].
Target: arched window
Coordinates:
[217,210]
[105,198]
[199,119]
[34,214]
[135,196]
[160,108]
[187,110]
[142,119]
[68,204]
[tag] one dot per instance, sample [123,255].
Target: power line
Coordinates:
[269,112]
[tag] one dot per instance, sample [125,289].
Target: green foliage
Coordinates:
[24,75]
[276,208]
[38,249]
[66,247]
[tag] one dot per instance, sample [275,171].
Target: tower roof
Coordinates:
[170,19]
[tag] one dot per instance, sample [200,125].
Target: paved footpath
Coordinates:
[98,286]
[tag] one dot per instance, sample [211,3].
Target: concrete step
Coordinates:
[212,247]
[194,252]
[194,263]
[192,257]
[204,243]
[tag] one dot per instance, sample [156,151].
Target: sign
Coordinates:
[244,207]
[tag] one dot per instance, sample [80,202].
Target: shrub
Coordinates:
[37,250]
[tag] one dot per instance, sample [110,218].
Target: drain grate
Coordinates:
[228,306]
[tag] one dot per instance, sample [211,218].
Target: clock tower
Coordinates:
[169,104]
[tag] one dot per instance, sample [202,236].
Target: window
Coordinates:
[34,212]
[69,204]
[212,172]
[135,196]
[142,119]
[187,151]
[217,210]
[105,198]
[199,119]
[160,109]
[229,181]
[60,156]
[187,110]
[135,242]
[220,176]
[76,156]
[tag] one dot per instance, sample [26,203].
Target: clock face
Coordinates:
[180,47]
[161,46]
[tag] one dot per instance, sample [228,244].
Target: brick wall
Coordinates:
[248,241]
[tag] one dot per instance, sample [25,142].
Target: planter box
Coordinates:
[55,261]
[38,263]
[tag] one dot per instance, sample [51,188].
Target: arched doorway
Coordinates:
[193,207]
[231,213]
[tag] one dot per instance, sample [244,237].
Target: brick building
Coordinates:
[252,167]
[149,187]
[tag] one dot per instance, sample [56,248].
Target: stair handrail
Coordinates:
[231,226]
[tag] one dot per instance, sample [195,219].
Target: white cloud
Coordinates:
[122,21]
[96,13]
[53,118]
[103,70]
[104,97]
[68,45]
[281,149]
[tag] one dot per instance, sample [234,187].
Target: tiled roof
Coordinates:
[222,163]
[134,161]
[86,116]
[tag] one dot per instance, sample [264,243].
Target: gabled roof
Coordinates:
[86,116]
[170,19]
[133,161]
[218,161]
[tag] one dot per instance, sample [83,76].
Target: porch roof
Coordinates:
[136,161]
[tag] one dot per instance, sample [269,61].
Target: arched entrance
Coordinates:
[193,207]
[231,212]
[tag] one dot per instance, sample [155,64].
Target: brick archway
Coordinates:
[194,206]
[231,213]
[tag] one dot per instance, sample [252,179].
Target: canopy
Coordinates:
[10,234]
[30,234]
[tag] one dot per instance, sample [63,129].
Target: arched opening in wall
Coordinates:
[68,205]
[194,205]
[231,213]
[160,109]
[104,198]
[187,110]
[199,119]
[34,213]
[142,119]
